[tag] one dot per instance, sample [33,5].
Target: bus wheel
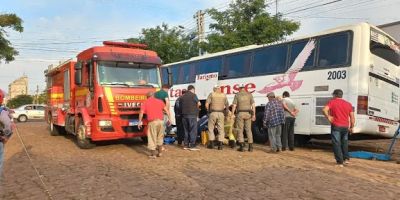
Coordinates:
[260,135]
[144,139]
[301,140]
[81,140]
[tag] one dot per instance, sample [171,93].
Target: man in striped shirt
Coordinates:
[274,118]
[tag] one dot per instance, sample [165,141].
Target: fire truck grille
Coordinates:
[131,116]
[128,109]
[130,129]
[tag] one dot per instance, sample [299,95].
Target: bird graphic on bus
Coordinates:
[288,78]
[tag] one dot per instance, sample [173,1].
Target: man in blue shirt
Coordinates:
[274,118]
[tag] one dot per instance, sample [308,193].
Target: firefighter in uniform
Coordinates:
[244,105]
[217,105]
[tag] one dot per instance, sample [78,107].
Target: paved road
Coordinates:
[122,170]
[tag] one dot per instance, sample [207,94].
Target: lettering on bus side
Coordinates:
[227,89]
[340,74]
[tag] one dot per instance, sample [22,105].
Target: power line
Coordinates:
[320,5]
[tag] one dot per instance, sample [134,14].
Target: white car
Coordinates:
[28,112]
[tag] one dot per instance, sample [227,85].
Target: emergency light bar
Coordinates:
[125,45]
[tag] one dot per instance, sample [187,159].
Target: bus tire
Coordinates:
[260,135]
[81,140]
[301,140]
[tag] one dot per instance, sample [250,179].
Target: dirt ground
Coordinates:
[122,170]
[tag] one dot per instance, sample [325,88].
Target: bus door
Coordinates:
[303,119]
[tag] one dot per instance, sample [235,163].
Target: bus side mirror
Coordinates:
[78,73]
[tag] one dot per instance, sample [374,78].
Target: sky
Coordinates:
[56,30]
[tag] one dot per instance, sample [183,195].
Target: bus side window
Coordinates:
[187,75]
[238,64]
[164,75]
[175,70]
[295,50]
[333,50]
[270,60]
[209,66]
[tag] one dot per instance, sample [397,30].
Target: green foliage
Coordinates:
[246,22]
[7,52]
[42,99]
[171,44]
[19,101]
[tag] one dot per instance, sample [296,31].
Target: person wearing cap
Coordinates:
[245,108]
[274,118]
[290,117]
[5,129]
[339,112]
[217,105]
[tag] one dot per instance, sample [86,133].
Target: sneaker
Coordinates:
[272,151]
[194,148]
[339,165]
[346,162]
[152,157]
[185,147]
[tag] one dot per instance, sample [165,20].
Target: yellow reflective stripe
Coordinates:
[109,95]
[157,89]
[81,92]
[56,95]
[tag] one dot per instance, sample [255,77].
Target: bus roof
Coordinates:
[250,47]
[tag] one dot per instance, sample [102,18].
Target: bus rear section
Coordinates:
[378,111]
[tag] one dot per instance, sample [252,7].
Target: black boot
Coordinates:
[241,147]
[250,147]
[232,143]
[220,145]
[210,145]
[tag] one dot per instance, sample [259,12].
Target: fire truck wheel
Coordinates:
[54,129]
[22,118]
[144,139]
[82,141]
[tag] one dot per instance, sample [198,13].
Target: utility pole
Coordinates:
[37,95]
[276,8]
[200,27]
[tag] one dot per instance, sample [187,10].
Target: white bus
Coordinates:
[360,59]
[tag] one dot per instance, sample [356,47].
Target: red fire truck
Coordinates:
[98,97]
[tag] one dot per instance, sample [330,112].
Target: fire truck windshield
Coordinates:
[128,74]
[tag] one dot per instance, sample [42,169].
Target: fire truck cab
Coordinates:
[98,97]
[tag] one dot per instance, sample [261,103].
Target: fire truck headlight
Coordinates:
[105,123]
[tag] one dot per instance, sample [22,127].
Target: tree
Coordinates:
[19,101]
[171,44]
[246,22]
[7,52]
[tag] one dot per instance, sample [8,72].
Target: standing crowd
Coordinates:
[278,120]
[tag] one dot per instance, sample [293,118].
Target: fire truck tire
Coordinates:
[81,140]
[22,118]
[54,129]
[144,139]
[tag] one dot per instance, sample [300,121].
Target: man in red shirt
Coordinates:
[153,108]
[339,112]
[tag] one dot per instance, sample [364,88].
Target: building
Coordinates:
[392,29]
[18,87]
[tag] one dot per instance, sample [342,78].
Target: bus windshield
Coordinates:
[384,47]
[128,74]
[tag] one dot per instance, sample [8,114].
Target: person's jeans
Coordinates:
[288,133]
[190,128]
[180,132]
[1,157]
[274,134]
[340,138]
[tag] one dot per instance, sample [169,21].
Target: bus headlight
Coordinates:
[105,123]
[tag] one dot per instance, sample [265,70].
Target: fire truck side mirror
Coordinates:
[78,73]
